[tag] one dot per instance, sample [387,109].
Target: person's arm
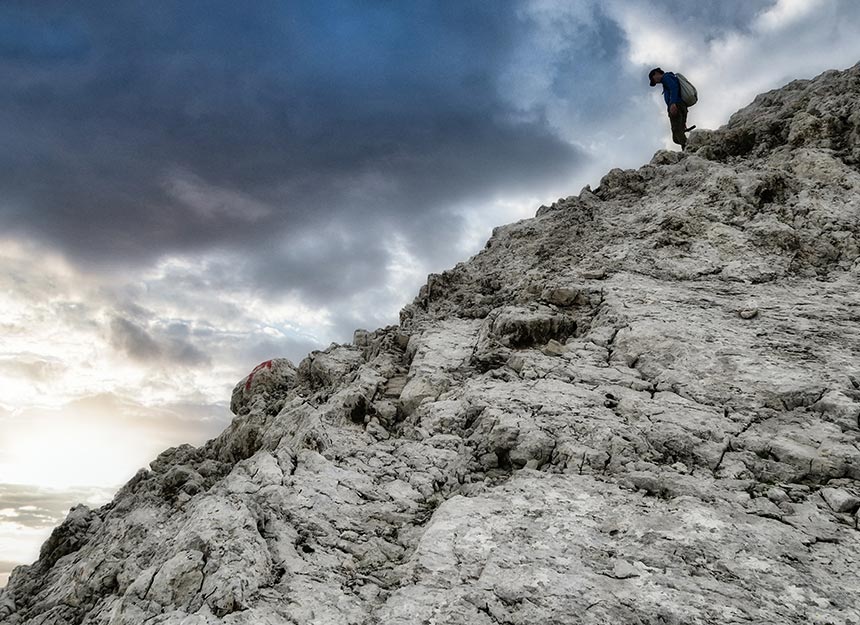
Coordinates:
[673,87]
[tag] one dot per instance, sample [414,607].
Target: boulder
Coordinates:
[270,379]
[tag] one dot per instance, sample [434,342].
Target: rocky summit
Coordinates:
[641,406]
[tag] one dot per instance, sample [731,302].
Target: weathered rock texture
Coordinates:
[640,406]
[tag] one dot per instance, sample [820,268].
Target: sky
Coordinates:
[189,188]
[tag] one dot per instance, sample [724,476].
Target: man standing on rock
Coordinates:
[677,108]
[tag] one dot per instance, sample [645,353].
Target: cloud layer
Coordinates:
[193,125]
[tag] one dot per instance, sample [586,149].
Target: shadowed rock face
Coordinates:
[641,406]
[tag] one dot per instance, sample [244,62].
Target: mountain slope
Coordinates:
[641,406]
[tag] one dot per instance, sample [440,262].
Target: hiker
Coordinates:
[675,101]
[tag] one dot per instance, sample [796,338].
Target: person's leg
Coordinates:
[678,122]
[684,110]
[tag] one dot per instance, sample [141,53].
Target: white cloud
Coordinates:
[101,440]
[791,39]
[788,12]
[96,378]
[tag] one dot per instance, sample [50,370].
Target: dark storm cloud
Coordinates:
[134,131]
[130,338]
[171,346]
[716,18]
[27,37]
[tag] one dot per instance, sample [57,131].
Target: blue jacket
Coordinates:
[671,89]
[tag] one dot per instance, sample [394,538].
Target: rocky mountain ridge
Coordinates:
[641,406]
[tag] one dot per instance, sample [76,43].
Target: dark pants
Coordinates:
[679,125]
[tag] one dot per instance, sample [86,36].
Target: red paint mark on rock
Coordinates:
[260,367]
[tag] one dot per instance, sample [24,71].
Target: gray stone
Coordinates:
[777,495]
[624,570]
[270,379]
[553,348]
[840,500]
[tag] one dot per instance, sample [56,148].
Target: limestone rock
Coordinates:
[840,500]
[268,380]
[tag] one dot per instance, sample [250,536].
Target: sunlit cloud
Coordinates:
[96,379]
[785,13]
[100,440]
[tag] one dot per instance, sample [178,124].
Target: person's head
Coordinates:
[655,76]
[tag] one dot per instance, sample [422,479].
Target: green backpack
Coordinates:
[688,92]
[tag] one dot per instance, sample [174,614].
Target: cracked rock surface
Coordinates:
[641,406]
